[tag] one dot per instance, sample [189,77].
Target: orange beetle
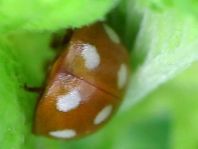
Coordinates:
[85,85]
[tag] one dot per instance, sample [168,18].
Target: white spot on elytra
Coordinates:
[122,76]
[91,56]
[111,33]
[103,114]
[63,134]
[69,101]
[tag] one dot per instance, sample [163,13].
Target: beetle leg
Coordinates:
[33,89]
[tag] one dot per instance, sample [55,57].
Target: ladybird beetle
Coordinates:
[85,85]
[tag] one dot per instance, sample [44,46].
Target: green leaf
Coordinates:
[21,64]
[186,7]
[50,15]
[166,45]
[12,116]
[184,105]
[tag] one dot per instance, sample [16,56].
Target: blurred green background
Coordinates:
[160,109]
